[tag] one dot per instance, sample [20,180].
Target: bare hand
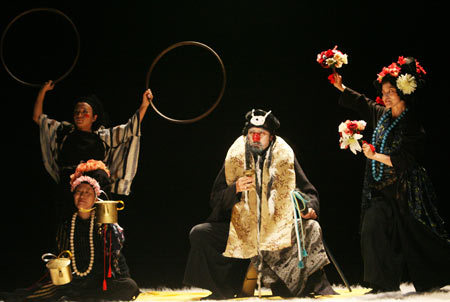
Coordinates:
[310,215]
[338,81]
[49,85]
[245,183]
[147,97]
[368,152]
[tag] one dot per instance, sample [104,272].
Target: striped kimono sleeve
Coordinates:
[122,156]
[48,130]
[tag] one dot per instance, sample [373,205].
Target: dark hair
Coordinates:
[102,178]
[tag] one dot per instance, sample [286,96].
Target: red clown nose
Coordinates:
[256,137]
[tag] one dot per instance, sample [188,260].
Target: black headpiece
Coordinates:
[262,119]
[97,108]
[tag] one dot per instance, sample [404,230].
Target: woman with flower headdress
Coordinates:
[64,145]
[100,271]
[401,230]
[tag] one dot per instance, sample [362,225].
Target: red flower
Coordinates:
[401,60]
[419,69]
[379,101]
[392,69]
[370,145]
[331,78]
[352,126]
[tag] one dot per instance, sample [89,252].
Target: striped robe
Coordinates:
[121,143]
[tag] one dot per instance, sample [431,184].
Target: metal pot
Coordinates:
[59,268]
[106,211]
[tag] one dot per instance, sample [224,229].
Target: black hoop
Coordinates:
[184,43]
[53,10]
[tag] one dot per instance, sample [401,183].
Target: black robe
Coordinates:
[401,230]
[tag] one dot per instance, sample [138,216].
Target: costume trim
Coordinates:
[271,197]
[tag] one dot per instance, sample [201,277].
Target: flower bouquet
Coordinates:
[332,58]
[350,134]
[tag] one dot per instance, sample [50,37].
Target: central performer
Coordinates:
[252,220]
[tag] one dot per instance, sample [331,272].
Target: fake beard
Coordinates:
[255,148]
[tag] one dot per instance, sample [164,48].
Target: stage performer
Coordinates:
[222,246]
[64,145]
[401,230]
[100,271]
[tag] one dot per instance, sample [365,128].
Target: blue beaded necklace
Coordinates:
[379,175]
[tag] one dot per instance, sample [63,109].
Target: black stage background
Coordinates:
[269,51]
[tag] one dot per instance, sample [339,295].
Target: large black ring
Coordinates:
[53,10]
[222,90]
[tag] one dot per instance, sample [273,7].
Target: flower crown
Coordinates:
[90,165]
[406,83]
[86,179]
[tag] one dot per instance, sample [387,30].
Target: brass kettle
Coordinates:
[106,210]
[59,267]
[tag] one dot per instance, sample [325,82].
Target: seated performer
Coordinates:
[100,271]
[221,247]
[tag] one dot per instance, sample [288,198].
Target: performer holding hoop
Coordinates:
[64,144]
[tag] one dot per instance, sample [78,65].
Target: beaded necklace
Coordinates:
[91,245]
[377,132]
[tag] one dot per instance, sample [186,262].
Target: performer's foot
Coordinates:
[379,290]
[427,289]
[326,291]
[214,296]
[319,285]
[279,289]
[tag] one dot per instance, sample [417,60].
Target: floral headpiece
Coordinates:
[90,165]
[406,82]
[86,179]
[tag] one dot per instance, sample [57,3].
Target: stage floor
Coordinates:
[407,293]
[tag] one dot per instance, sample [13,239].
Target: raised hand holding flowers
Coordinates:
[350,134]
[332,58]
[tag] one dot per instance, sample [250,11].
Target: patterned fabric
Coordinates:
[403,144]
[122,149]
[274,182]
[114,233]
[283,264]
[421,198]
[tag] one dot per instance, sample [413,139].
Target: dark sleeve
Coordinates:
[306,187]
[412,146]
[223,198]
[369,110]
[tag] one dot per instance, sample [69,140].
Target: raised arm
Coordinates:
[146,98]
[39,103]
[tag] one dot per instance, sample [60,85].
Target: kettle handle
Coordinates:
[123,205]
[65,252]
[45,259]
[86,210]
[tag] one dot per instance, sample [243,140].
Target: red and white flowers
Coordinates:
[406,82]
[350,134]
[332,58]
